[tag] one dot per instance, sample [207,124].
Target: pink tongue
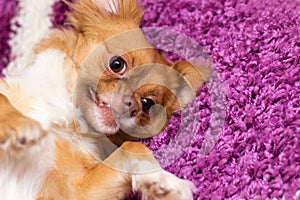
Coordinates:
[108,117]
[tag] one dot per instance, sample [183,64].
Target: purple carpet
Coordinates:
[8,10]
[246,146]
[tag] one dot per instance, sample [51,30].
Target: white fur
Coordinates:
[162,185]
[108,5]
[297,195]
[22,177]
[45,81]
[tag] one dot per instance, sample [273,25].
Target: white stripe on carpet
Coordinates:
[35,22]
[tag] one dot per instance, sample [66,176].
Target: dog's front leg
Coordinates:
[16,130]
[147,177]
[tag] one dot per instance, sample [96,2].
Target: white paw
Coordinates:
[162,185]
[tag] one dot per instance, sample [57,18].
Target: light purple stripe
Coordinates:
[8,10]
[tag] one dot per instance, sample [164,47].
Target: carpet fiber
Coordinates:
[246,145]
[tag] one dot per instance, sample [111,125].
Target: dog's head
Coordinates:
[124,84]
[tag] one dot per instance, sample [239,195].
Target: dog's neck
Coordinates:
[120,137]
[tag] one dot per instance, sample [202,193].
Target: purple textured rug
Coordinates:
[8,10]
[255,46]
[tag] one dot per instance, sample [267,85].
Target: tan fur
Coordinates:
[76,174]
[12,122]
[85,177]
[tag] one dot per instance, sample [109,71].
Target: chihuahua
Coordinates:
[65,119]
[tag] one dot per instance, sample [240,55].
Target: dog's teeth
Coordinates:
[93,93]
[102,103]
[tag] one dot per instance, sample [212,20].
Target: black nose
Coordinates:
[147,104]
[131,105]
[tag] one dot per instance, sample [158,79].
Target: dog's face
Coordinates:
[136,92]
[124,84]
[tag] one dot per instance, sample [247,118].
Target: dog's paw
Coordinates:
[18,132]
[163,186]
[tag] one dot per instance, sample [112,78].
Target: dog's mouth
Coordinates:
[104,110]
[110,117]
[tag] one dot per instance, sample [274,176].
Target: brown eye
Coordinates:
[147,104]
[118,65]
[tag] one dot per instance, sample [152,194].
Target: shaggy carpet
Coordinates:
[240,137]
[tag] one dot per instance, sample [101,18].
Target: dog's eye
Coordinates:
[147,104]
[118,65]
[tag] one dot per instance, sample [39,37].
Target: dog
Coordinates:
[65,119]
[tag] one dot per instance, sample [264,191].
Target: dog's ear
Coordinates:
[194,77]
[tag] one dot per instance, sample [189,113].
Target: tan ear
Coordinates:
[191,79]
[195,76]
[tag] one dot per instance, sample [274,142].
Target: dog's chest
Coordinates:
[45,84]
